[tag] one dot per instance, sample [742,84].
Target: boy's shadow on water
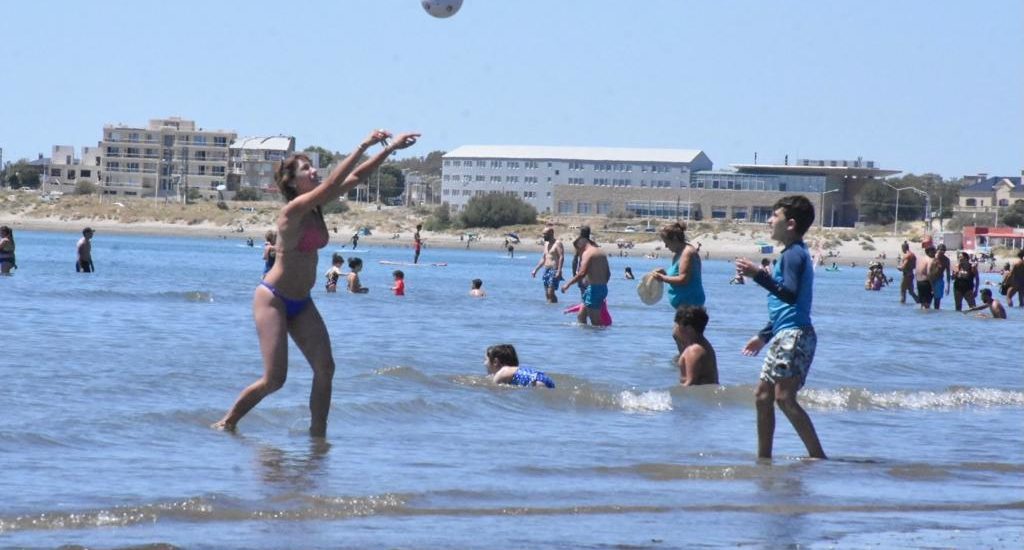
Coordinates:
[297,469]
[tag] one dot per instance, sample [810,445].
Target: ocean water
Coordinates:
[112,379]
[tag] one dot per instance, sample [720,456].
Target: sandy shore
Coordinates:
[394,227]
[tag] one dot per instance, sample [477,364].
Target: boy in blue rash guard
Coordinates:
[789,327]
[503,367]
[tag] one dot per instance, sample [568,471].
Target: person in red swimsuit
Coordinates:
[399,287]
[281,304]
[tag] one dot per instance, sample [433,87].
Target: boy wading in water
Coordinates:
[789,327]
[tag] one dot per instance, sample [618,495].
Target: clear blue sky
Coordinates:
[916,85]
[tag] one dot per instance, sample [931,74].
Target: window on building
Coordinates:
[71,174]
[564,207]
[220,140]
[719,212]
[54,172]
[1004,202]
[971,202]
[86,173]
[739,213]
[583,208]
[604,208]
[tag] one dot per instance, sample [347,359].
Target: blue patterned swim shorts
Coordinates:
[790,353]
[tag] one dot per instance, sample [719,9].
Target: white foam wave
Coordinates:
[952,398]
[648,401]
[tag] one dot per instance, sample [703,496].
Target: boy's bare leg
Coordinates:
[581,316]
[785,396]
[765,395]
[595,317]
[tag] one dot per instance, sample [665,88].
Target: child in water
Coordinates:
[355,265]
[475,288]
[399,288]
[334,273]
[503,367]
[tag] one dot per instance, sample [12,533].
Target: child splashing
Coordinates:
[503,367]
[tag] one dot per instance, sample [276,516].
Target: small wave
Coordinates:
[952,398]
[202,296]
[648,401]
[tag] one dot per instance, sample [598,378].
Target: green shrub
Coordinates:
[439,219]
[85,187]
[496,210]
[247,194]
[335,207]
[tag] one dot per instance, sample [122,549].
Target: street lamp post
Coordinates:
[821,208]
[896,221]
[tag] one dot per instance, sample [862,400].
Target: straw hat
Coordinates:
[650,289]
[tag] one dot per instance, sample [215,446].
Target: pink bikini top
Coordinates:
[314,235]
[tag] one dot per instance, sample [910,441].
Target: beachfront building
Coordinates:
[568,180]
[254,159]
[986,196]
[165,158]
[833,186]
[66,170]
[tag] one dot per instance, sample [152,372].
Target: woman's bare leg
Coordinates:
[309,332]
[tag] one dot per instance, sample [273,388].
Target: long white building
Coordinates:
[532,173]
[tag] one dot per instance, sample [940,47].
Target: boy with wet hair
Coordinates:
[697,361]
[789,329]
[987,302]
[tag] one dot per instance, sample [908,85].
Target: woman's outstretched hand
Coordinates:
[405,140]
[376,136]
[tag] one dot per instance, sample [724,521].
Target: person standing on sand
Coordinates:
[552,259]
[7,261]
[789,330]
[594,269]
[417,243]
[907,263]
[84,248]
[282,306]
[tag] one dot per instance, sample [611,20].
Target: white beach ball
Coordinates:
[442,8]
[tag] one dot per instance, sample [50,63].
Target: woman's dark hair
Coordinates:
[477,283]
[354,262]
[675,231]
[337,259]
[6,231]
[504,354]
[286,173]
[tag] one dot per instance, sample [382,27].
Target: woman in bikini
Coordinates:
[965,281]
[281,305]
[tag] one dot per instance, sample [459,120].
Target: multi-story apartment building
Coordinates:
[164,158]
[66,169]
[550,178]
[254,159]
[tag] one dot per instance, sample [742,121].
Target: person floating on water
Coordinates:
[333,274]
[282,305]
[502,364]
[629,274]
[552,260]
[399,288]
[476,288]
[789,329]
[697,361]
[84,249]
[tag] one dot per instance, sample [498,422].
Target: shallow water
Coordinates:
[113,378]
